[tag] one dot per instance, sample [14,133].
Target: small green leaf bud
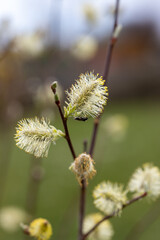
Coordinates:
[56,98]
[54,86]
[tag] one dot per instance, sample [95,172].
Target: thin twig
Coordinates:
[144,223]
[96,122]
[82,208]
[83,187]
[64,120]
[113,214]
[112,42]
[82,200]
[95,128]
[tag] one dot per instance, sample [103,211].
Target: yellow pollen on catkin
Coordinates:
[109,197]
[35,136]
[146,179]
[87,97]
[40,228]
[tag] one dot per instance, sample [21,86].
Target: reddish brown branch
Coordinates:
[82,209]
[113,214]
[112,42]
[95,129]
[64,120]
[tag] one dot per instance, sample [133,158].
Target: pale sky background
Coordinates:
[28,15]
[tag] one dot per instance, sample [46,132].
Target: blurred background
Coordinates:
[46,40]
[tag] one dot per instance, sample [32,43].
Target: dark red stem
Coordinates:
[82,208]
[106,73]
[113,214]
[64,120]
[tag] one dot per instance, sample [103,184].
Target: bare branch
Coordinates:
[113,214]
[112,43]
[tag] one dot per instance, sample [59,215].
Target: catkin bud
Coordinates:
[83,167]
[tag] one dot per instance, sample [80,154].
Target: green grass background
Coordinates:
[115,161]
